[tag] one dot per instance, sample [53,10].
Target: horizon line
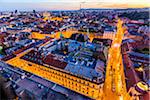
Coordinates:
[75,9]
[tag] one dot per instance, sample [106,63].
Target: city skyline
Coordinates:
[74,49]
[11,5]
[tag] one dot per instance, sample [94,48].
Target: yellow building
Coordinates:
[61,77]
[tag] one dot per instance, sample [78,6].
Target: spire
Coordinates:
[61,35]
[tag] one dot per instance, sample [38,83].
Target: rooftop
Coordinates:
[80,63]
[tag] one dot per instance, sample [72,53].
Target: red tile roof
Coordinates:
[54,62]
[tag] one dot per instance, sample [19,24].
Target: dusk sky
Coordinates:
[11,5]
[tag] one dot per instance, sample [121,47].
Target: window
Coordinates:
[87,84]
[93,86]
[30,64]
